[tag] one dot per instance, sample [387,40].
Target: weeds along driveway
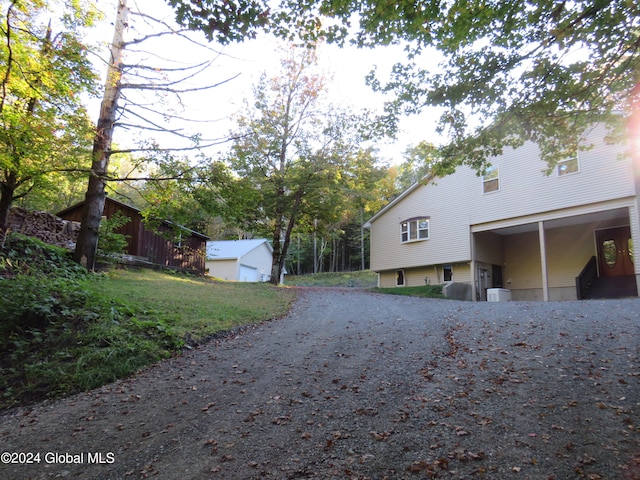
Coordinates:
[359,385]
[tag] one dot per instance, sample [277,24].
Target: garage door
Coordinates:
[248,274]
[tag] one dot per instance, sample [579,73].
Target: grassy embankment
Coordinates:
[63,330]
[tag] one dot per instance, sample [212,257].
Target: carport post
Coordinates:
[543,262]
[472,265]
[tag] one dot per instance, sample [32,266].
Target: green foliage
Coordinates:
[359,279]
[44,127]
[58,337]
[419,161]
[64,330]
[189,195]
[500,72]
[510,71]
[110,242]
[223,22]
[303,168]
[22,255]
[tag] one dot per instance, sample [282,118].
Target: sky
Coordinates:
[246,62]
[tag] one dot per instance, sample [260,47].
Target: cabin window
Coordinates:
[414,229]
[568,166]
[491,179]
[399,278]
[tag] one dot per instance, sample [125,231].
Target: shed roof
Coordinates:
[137,212]
[229,249]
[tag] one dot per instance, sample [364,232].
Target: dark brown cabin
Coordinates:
[186,254]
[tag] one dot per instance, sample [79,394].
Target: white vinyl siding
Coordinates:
[448,241]
[223,269]
[527,190]
[457,205]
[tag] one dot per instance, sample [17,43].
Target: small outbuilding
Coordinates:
[240,260]
[151,245]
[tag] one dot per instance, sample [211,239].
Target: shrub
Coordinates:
[29,256]
[57,336]
[110,242]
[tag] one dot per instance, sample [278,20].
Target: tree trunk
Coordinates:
[278,261]
[87,244]
[6,199]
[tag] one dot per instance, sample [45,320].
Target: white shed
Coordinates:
[240,260]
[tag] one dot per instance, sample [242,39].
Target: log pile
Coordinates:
[44,226]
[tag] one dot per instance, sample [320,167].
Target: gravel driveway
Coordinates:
[359,385]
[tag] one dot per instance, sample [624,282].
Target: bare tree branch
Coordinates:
[164,88]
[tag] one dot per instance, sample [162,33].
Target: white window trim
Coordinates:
[568,174]
[416,221]
[484,180]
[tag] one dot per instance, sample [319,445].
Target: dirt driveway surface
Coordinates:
[359,385]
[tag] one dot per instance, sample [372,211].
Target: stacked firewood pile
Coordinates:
[44,226]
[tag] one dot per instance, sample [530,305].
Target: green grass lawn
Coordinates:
[73,332]
[362,279]
[194,307]
[64,330]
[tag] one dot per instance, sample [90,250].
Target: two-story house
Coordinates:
[559,236]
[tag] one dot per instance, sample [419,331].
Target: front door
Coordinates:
[483,283]
[615,252]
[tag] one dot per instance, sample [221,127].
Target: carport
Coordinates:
[559,255]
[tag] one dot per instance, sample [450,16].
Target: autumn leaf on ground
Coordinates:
[380,436]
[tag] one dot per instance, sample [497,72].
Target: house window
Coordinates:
[414,229]
[447,273]
[491,180]
[399,278]
[568,166]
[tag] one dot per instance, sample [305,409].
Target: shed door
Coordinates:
[248,274]
[615,252]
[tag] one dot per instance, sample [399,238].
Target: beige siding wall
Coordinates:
[415,277]
[568,250]
[526,190]
[224,269]
[489,248]
[449,240]
[456,202]
[522,262]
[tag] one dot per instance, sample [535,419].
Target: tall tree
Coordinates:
[139,80]
[292,151]
[419,160]
[541,70]
[44,128]
[87,242]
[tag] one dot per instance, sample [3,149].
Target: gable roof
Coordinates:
[232,249]
[136,211]
[424,181]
